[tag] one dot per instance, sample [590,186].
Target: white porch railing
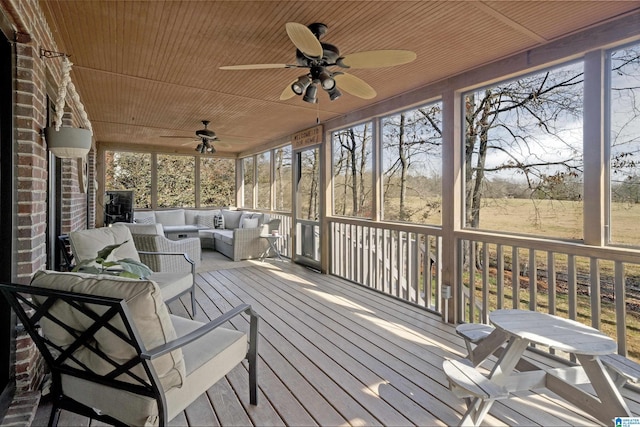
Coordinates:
[401,260]
[598,286]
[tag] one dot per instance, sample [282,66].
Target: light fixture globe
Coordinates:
[68,142]
[327,82]
[310,94]
[299,86]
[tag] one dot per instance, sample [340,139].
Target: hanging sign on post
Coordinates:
[306,138]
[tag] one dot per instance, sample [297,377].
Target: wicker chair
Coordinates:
[150,240]
[173,279]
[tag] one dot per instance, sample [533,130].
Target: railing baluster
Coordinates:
[438,269]
[572,287]
[515,277]
[499,276]
[472,281]
[594,284]
[485,284]
[620,294]
[551,282]
[426,276]
[533,281]
[378,258]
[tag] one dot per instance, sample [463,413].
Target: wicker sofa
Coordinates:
[233,233]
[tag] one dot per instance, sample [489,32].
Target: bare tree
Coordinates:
[411,140]
[519,125]
[352,170]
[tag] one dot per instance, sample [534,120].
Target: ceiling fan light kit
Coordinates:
[317,57]
[300,86]
[205,147]
[311,94]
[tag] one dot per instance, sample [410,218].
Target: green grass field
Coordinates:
[562,220]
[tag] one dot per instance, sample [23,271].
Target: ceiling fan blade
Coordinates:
[355,86]
[377,58]
[175,136]
[287,93]
[222,144]
[304,39]
[255,66]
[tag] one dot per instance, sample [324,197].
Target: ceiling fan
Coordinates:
[206,137]
[319,57]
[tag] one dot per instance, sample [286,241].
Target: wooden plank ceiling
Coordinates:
[146,70]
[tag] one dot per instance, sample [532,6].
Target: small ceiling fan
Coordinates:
[318,57]
[206,137]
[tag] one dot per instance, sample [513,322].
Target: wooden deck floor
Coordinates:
[334,353]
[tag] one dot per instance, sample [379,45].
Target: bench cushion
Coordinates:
[172,217]
[207,360]
[225,236]
[148,310]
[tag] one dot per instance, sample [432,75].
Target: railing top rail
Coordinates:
[576,247]
[397,226]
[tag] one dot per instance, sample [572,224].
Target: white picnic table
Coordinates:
[519,329]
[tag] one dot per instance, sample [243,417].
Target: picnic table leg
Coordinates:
[487,347]
[512,354]
[476,412]
[612,403]
[508,360]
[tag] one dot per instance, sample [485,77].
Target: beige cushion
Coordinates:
[207,359]
[172,284]
[173,217]
[85,244]
[153,229]
[249,223]
[149,314]
[231,219]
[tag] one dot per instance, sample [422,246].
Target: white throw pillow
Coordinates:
[173,217]
[206,220]
[231,219]
[145,220]
[218,221]
[249,223]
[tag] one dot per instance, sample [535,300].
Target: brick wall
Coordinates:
[32,76]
